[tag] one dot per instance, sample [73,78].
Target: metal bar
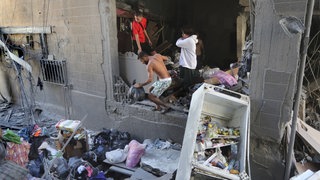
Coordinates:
[58,71]
[49,72]
[65,73]
[42,69]
[54,71]
[52,74]
[121,170]
[44,46]
[304,47]
[215,171]
[55,68]
[32,100]
[61,72]
[26,30]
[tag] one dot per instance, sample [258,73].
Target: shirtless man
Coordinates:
[155,65]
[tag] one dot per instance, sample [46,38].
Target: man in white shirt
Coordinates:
[188,57]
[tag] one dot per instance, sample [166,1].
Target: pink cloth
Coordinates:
[225,78]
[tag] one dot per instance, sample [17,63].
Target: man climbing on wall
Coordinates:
[156,65]
[140,35]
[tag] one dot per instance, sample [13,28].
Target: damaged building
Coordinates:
[78,62]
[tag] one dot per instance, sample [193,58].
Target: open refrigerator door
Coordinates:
[216,136]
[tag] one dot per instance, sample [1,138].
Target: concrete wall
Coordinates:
[85,35]
[76,38]
[273,82]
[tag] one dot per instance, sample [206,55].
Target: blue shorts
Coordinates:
[160,86]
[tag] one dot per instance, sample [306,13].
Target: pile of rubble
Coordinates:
[70,151]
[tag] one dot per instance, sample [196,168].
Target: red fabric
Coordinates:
[137,29]
[144,22]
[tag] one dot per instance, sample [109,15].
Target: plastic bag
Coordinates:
[136,150]
[117,156]
[60,167]
[35,167]
[112,138]
[136,94]
[208,72]
[11,137]
[292,25]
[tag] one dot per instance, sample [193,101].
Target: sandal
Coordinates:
[156,109]
[166,110]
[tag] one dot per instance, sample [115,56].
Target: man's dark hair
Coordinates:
[187,30]
[138,13]
[142,54]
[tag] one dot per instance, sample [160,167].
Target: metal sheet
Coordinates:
[26,30]
[16,58]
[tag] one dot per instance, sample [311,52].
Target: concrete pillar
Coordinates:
[273,83]
[110,65]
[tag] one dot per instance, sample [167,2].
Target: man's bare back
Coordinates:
[156,64]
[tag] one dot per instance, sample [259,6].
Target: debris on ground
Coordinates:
[70,151]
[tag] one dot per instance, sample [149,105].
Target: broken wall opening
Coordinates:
[26,88]
[223,26]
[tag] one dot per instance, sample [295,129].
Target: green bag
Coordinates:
[11,137]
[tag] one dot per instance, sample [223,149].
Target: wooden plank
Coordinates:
[162,47]
[309,134]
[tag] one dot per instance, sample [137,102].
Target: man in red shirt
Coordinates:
[140,35]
